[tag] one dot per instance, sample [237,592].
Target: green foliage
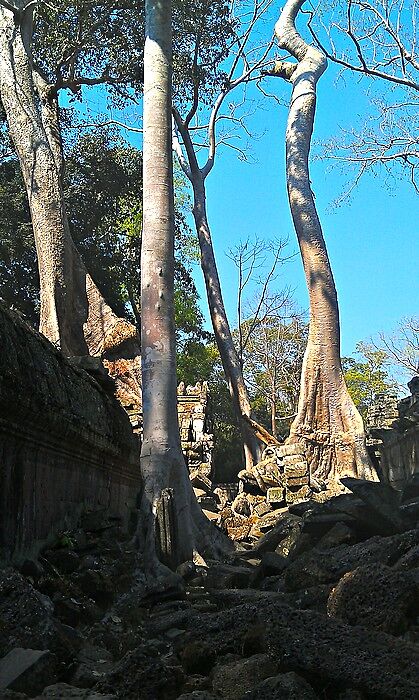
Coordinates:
[76,41]
[202,39]
[19,281]
[103,190]
[195,357]
[80,42]
[367,376]
[228,444]
[272,360]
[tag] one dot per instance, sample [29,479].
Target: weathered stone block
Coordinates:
[234,679]
[26,670]
[275,494]
[67,444]
[290,449]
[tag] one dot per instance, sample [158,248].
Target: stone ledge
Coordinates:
[66,444]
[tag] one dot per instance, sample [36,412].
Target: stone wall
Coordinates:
[66,445]
[393,435]
[400,456]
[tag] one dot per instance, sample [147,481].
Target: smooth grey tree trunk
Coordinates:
[74,315]
[327,421]
[167,488]
[58,321]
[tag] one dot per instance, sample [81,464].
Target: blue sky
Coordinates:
[372,239]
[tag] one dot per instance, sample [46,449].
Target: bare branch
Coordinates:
[177,148]
[108,122]
[8,6]
[369,65]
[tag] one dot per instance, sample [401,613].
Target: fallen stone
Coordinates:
[233,680]
[198,695]
[328,566]
[165,622]
[199,492]
[209,503]
[382,499]
[141,673]
[410,560]
[27,618]
[411,489]
[284,686]
[272,583]
[376,597]
[96,584]
[32,568]
[227,598]
[27,670]
[200,481]
[294,543]
[65,560]
[196,683]
[273,564]
[71,611]
[64,690]
[313,598]
[276,494]
[210,514]
[338,534]
[270,541]
[410,510]
[93,663]
[187,570]
[325,650]
[320,523]
[198,657]
[227,576]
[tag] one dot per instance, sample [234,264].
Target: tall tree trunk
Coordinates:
[74,315]
[229,357]
[58,321]
[165,476]
[327,421]
[273,415]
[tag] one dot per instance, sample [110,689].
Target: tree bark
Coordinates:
[58,321]
[74,315]
[273,414]
[327,421]
[168,495]
[229,357]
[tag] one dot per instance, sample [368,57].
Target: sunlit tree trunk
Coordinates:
[164,471]
[327,421]
[74,315]
[58,321]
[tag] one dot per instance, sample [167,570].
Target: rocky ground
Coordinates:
[323,603]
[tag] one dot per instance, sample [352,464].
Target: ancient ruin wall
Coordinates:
[393,437]
[400,456]
[66,445]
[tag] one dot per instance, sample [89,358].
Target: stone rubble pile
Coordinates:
[323,604]
[245,512]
